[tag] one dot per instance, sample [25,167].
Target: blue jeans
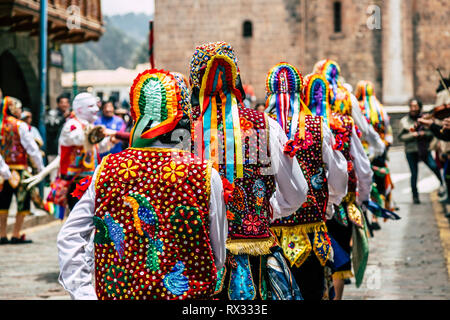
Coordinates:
[413,162]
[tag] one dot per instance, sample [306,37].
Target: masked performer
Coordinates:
[348,223]
[17,149]
[303,235]
[80,143]
[158,211]
[260,181]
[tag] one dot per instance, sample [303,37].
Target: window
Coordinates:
[337,12]
[247,29]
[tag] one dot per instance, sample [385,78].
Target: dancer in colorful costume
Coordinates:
[303,235]
[377,116]
[260,181]
[158,211]
[348,223]
[80,144]
[17,148]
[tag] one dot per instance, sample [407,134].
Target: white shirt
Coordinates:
[30,145]
[72,134]
[4,169]
[291,187]
[362,167]
[376,145]
[76,248]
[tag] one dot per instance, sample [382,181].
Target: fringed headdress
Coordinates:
[369,104]
[316,96]
[155,106]
[8,107]
[340,99]
[218,85]
[283,93]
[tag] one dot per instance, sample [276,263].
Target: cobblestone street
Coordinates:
[406,261]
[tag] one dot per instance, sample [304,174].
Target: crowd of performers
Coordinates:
[213,200]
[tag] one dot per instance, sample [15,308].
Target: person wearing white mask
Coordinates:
[80,142]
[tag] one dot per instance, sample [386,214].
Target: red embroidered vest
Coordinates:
[248,210]
[309,155]
[12,150]
[152,227]
[77,161]
[342,131]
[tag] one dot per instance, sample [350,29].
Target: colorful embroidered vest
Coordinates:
[249,212]
[76,161]
[310,218]
[342,127]
[152,226]
[12,150]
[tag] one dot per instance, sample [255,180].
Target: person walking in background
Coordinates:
[113,122]
[54,121]
[27,117]
[417,140]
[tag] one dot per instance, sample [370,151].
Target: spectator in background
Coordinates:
[260,107]
[27,117]
[54,121]
[417,140]
[113,122]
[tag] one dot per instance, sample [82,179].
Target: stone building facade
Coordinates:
[396,44]
[19,45]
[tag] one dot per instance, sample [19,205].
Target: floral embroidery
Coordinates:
[251,223]
[186,220]
[128,169]
[115,280]
[81,187]
[173,172]
[245,124]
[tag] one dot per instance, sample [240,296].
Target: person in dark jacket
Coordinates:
[417,140]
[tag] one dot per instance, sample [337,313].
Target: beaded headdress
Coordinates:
[218,83]
[184,92]
[316,96]
[340,99]
[369,104]
[203,54]
[156,107]
[283,92]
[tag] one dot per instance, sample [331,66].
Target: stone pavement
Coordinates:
[406,258]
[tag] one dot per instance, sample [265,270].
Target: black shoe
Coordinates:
[347,281]
[375,226]
[20,240]
[4,240]
[416,200]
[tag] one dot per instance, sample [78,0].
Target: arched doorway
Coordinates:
[13,82]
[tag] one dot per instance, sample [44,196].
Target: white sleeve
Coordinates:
[30,145]
[362,167]
[291,187]
[358,117]
[218,224]
[376,145]
[4,169]
[72,134]
[336,167]
[105,145]
[74,244]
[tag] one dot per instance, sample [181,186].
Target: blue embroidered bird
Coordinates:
[176,282]
[146,224]
[317,180]
[116,234]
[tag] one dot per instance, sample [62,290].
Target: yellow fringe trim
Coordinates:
[4,212]
[254,247]
[308,228]
[342,275]
[102,165]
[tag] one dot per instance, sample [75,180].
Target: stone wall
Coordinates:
[301,32]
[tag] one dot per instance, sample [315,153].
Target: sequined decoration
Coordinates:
[241,285]
[176,282]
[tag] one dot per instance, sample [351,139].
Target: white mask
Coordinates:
[85,107]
